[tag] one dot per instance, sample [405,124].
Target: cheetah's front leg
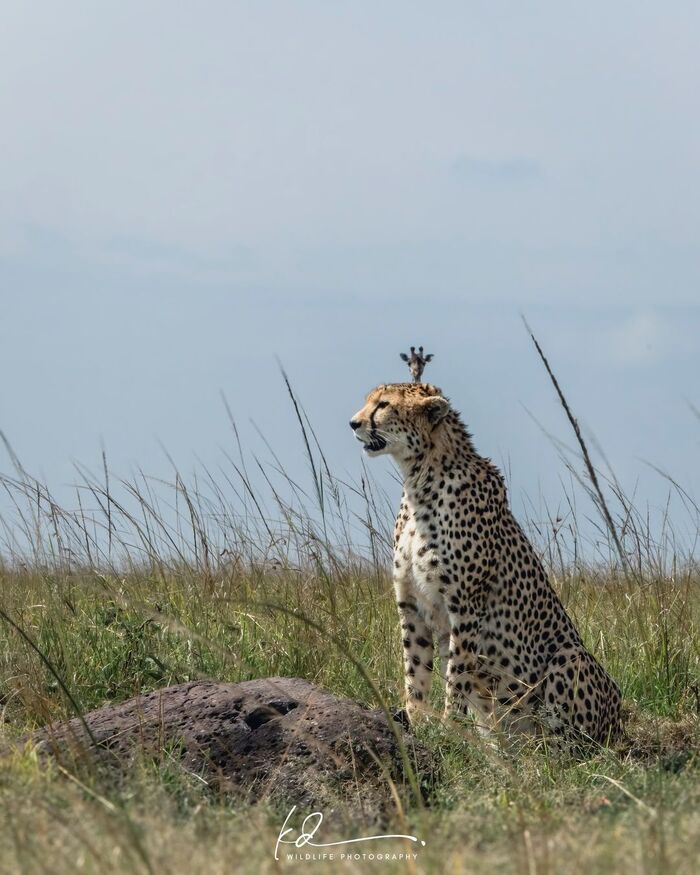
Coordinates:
[468,688]
[465,691]
[417,650]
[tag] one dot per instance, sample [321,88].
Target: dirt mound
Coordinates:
[279,739]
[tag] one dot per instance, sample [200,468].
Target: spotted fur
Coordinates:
[468,580]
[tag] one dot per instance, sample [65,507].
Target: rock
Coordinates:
[283,740]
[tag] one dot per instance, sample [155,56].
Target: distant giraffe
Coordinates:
[416,362]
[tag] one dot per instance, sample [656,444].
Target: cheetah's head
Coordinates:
[398,418]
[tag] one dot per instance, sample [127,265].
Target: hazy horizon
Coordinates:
[189,195]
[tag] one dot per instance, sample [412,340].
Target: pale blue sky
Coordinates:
[189,190]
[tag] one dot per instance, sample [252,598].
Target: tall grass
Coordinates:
[244,571]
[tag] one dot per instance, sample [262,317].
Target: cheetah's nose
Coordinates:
[355,424]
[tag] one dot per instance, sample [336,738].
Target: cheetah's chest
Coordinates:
[418,552]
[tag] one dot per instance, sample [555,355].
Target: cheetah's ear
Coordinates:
[435,408]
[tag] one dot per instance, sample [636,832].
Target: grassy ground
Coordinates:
[110,638]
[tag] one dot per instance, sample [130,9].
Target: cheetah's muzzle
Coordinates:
[375,444]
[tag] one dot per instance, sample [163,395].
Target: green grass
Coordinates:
[111,638]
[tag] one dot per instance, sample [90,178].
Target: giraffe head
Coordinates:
[416,362]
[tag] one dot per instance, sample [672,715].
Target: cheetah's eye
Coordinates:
[382,404]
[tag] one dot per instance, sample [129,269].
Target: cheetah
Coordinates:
[467,578]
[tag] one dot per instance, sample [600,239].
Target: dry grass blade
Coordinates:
[584,450]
